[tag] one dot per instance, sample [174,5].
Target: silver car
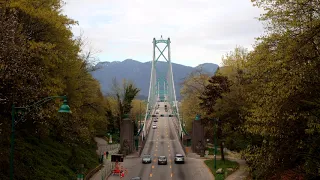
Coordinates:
[179,158]
[146,159]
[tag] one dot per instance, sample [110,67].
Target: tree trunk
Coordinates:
[221,150]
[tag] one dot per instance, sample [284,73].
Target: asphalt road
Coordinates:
[164,141]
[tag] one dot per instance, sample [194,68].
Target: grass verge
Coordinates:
[221,164]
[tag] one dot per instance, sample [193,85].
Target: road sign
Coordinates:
[80,177]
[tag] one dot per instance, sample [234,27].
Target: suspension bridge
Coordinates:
[162,89]
[165,139]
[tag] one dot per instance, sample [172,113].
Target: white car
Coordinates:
[179,158]
[154,126]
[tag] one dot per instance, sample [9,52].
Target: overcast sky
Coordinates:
[201,31]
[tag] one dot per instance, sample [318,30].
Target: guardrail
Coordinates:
[107,166]
[93,172]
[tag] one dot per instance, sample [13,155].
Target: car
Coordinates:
[179,158]
[136,178]
[154,126]
[162,160]
[155,120]
[146,159]
[162,115]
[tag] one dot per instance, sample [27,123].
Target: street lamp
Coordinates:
[140,115]
[215,142]
[64,108]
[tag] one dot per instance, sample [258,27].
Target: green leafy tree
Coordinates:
[284,71]
[214,90]
[232,108]
[39,57]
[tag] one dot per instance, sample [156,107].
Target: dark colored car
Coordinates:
[162,160]
[146,159]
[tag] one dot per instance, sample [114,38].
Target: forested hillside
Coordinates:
[39,57]
[265,103]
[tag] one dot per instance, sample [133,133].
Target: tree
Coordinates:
[232,108]
[38,58]
[217,86]
[284,71]
[192,87]
[124,96]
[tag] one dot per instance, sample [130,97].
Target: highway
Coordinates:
[164,141]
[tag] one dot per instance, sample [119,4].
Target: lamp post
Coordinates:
[140,115]
[64,108]
[215,142]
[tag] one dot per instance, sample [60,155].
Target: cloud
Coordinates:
[200,30]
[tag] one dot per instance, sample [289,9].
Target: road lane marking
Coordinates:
[168,149]
[171,174]
[150,174]
[154,160]
[168,146]
[170,166]
[155,154]
[152,167]
[156,149]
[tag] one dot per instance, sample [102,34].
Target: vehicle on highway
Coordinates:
[162,160]
[154,126]
[155,120]
[179,158]
[162,115]
[146,159]
[136,178]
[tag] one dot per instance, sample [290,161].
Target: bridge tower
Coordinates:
[161,87]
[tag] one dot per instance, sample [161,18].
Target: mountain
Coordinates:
[140,72]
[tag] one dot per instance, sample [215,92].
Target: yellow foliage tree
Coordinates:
[192,87]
